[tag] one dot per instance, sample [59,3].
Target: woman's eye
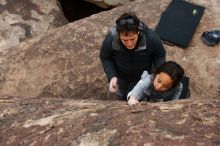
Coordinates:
[158,80]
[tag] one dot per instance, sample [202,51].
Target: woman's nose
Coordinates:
[159,86]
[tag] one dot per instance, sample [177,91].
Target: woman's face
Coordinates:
[129,40]
[162,82]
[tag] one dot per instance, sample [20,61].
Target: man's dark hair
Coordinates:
[174,70]
[127,22]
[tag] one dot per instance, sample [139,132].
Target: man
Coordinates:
[129,49]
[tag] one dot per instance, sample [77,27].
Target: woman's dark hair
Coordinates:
[127,22]
[174,70]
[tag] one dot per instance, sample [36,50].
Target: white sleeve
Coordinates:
[140,87]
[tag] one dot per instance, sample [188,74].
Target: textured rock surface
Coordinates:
[65,62]
[109,3]
[70,122]
[24,19]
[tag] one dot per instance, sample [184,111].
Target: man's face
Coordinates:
[129,40]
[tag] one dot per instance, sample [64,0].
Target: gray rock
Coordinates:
[22,20]
[109,3]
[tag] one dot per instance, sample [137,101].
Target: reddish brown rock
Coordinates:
[65,62]
[63,121]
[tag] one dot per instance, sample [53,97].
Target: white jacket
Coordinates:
[144,90]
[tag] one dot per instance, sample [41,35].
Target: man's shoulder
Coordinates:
[109,38]
[153,38]
[150,34]
[153,35]
[112,31]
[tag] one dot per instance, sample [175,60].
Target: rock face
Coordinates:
[65,61]
[109,3]
[21,20]
[69,122]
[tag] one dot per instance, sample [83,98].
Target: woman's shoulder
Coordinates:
[146,77]
[179,86]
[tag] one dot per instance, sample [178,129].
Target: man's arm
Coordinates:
[159,53]
[107,58]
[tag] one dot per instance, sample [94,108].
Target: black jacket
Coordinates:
[118,61]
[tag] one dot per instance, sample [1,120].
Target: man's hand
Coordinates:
[113,87]
[132,100]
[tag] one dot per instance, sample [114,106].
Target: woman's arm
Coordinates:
[137,93]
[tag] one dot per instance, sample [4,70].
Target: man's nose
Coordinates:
[129,42]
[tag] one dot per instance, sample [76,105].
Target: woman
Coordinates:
[163,85]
